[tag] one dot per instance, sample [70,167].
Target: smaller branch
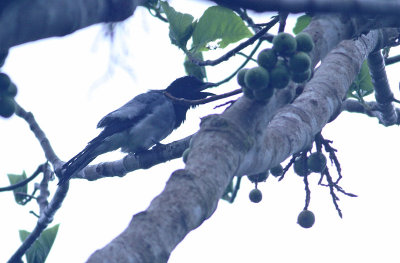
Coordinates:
[132,162]
[40,135]
[24,182]
[44,220]
[282,21]
[332,191]
[383,94]
[241,66]
[233,52]
[392,60]
[44,189]
[368,108]
[286,168]
[308,192]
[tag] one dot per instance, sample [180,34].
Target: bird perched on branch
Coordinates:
[141,123]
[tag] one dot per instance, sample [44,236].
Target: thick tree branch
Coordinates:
[299,6]
[25,21]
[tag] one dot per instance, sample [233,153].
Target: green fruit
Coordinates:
[257,178]
[12,90]
[306,219]
[255,195]
[300,166]
[7,106]
[277,170]
[185,155]
[263,95]
[316,162]
[304,42]
[302,76]
[248,92]
[256,78]
[284,44]
[240,76]
[267,58]
[300,62]
[279,77]
[4,81]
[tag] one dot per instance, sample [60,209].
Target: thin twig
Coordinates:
[24,182]
[234,51]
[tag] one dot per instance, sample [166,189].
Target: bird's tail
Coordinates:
[79,161]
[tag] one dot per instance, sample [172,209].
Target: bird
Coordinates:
[141,123]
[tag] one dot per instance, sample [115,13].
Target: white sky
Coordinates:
[67,84]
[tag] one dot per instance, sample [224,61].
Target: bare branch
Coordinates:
[383,94]
[371,109]
[132,162]
[44,220]
[233,52]
[24,182]
[40,135]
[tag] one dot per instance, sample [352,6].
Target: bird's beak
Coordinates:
[207,85]
[208,94]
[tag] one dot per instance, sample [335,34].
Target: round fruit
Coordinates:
[12,90]
[255,195]
[4,81]
[302,76]
[304,42]
[277,170]
[279,77]
[7,107]
[306,219]
[240,76]
[256,78]
[248,92]
[267,58]
[316,162]
[257,178]
[300,166]
[185,155]
[263,95]
[284,44]
[300,62]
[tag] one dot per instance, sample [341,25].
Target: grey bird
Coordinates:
[139,124]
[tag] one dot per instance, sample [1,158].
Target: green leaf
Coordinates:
[193,69]
[14,179]
[301,23]
[362,86]
[40,249]
[180,25]
[219,23]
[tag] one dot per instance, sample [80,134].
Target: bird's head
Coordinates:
[189,88]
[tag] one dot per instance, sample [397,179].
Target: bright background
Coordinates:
[69,83]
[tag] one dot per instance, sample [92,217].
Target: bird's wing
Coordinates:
[133,110]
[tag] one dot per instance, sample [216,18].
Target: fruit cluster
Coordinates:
[287,60]
[316,163]
[8,90]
